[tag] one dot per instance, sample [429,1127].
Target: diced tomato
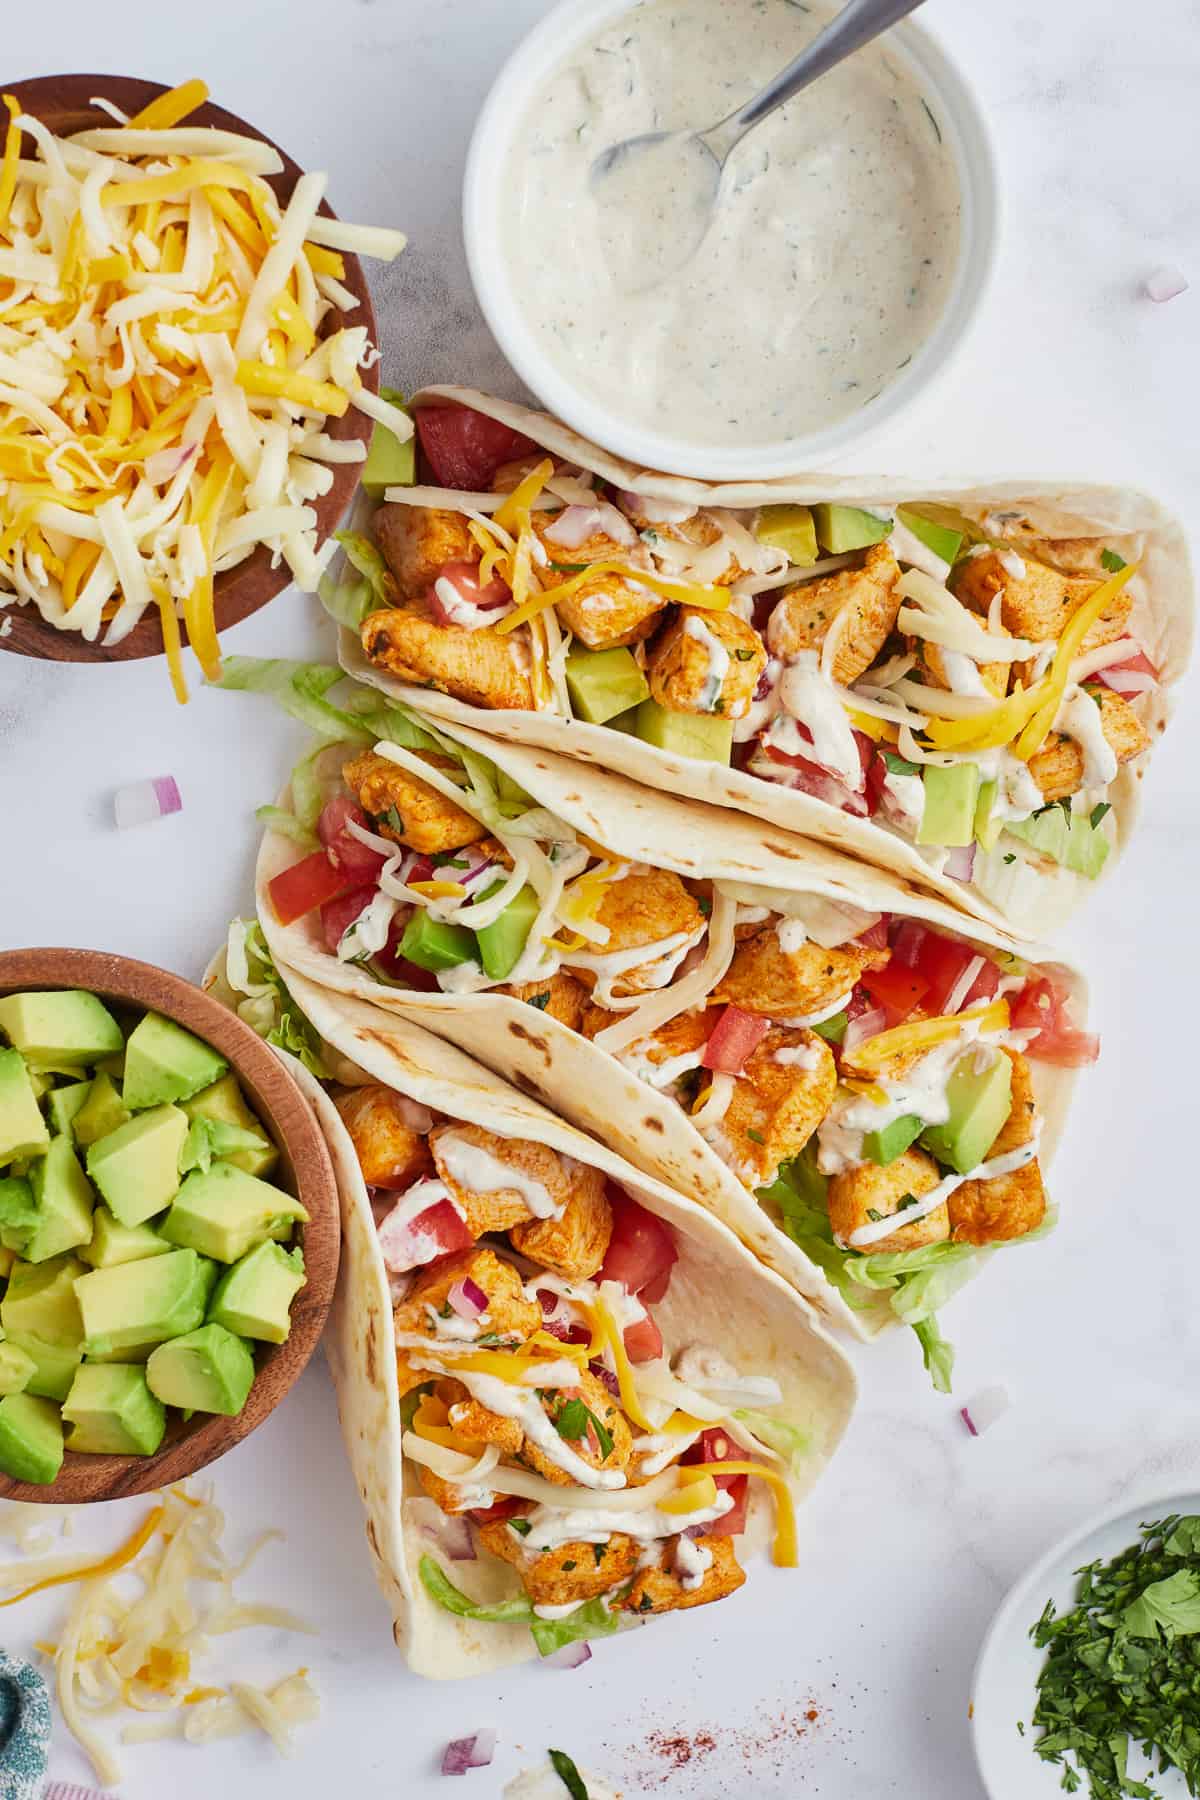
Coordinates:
[860,1002]
[464,448]
[866,753]
[941,963]
[307,884]
[503,1509]
[898,990]
[643,1341]
[1136,663]
[337,915]
[346,851]
[907,939]
[641,1252]
[464,578]
[875,778]
[810,778]
[984,985]
[410,1243]
[736,1035]
[877,937]
[1043,1006]
[716,1445]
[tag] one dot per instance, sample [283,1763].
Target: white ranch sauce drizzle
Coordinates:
[830,258]
[477,1170]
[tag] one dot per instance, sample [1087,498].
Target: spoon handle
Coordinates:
[857,23]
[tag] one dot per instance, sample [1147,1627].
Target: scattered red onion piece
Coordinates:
[960,863]
[474,1752]
[571,1656]
[867,1025]
[984,1408]
[1165,284]
[143,801]
[467,1300]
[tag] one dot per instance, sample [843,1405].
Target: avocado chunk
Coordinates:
[164,1062]
[943,540]
[209,1370]
[798,1188]
[844,528]
[62,1199]
[141,1303]
[790,528]
[64,1103]
[224,1212]
[66,1027]
[22,1128]
[225,1104]
[892,1140]
[41,1302]
[101,1112]
[113,1243]
[432,945]
[703,737]
[254,1297]
[832,1030]
[54,1365]
[626,722]
[501,942]
[1067,838]
[18,1214]
[111,1411]
[389,463]
[979,1107]
[950,799]
[136,1167]
[987,829]
[602,683]
[31,1438]
[16,1367]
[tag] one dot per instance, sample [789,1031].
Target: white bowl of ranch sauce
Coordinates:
[849,253]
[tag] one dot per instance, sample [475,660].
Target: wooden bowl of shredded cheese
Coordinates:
[188,372]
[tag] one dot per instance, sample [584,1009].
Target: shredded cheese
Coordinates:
[905,1040]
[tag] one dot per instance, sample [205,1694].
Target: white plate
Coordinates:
[1004,1688]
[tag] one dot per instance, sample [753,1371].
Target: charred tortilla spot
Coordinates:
[653,1124]
[534,1042]
[371,1359]
[372,1538]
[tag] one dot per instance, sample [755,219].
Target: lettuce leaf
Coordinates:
[213,1138]
[590,1620]
[301,689]
[252,987]
[277,818]
[349,602]
[785,1439]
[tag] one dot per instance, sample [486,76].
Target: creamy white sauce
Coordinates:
[791,934]
[1017,793]
[810,700]
[904,800]
[718,662]
[804,1056]
[661,1074]
[921,1090]
[464,613]
[658,1448]
[827,265]
[480,1172]
[460,1330]
[691,1562]
[399,1245]
[1008,1164]
[962,674]
[511,1402]
[549,1527]
[1080,718]
[655,963]
[545,1783]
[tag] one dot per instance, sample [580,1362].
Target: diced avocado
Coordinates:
[225,1212]
[1067,838]
[164,1062]
[111,1411]
[432,945]
[101,1112]
[22,1128]
[18,1214]
[112,1065]
[141,1303]
[41,1302]
[225,1104]
[136,1167]
[389,463]
[16,1367]
[209,1370]
[63,1199]
[31,1438]
[113,1243]
[254,1297]
[843,528]
[943,540]
[979,1106]
[705,737]
[7,1259]
[54,1365]
[66,1027]
[950,799]
[501,943]
[833,1030]
[789,528]
[40,1080]
[626,722]
[987,829]
[602,683]
[64,1103]
[799,1186]
[890,1141]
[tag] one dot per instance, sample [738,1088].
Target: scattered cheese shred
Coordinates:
[925,1034]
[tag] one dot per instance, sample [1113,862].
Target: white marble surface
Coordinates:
[917,1529]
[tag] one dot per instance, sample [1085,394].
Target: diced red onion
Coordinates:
[960,863]
[967,1420]
[549,1301]
[473,875]
[1165,284]
[984,1408]
[958,993]
[163,465]
[467,1300]
[456,1538]
[605,1375]
[571,1656]
[143,801]
[474,1752]
[867,1025]
[1127,681]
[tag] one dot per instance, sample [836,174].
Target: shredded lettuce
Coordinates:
[590,1620]
[277,818]
[253,988]
[785,1439]
[349,602]
[937,1353]
[301,688]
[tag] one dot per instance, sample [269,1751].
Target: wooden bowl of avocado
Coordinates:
[168,1227]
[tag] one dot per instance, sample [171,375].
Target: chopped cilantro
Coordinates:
[907,1201]
[392,817]
[541,1001]
[756,1137]
[899,765]
[705,905]
[1098,813]
[598,1553]
[570,568]
[744,655]
[645,1604]
[445,859]
[874,1215]
[522,1527]
[1011,857]
[489,1337]
[572,1420]
[1110,560]
[568,1774]
[568,1566]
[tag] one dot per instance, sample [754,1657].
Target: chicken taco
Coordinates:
[861,1082]
[962,685]
[571,1399]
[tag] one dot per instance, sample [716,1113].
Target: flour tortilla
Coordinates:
[568,1072]
[717,1293]
[1131,523]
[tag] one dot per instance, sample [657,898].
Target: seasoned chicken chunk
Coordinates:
[1058,766]
[682,1036]
[995,676]
[608,610]
[562,997]
[660,1589]
[484,668]
[428,821]
[388,1133]
[782,1094]
[599,1402]
[475,1424]
[574,1571]
[859,1196]
[418,541]
[1008,1206]
[647,907]
[493,1178]
[706,662]
[1074,556]
[508,1313]
[863,601]
[610,539]
[772,976]
[1038,603]
[575,1244]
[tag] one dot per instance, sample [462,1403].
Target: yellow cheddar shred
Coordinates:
[108,1565]
[12,154]
[922,1035]
[785,1549]
[696,1490]
[615,1344]
[283,384]
[170,108]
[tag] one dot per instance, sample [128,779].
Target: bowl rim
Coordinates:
[292,1123]
[250,585]
[544,48]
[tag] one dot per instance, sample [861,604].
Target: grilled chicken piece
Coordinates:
[1039,602]
[576,1244]
[770,976]
[418,541]
[600,1403]
[862,601]
[428,821]
[483,668]
[644,908]
[660,1589]
[565,998]
[776,1105]
[1008,1206]
[574,1571]
[1058,766]
[388,1132]
[509,1314]
[706,662]
[608,610]
[860,1195]
[488,1175]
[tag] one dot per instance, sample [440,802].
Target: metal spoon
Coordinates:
[689,164]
